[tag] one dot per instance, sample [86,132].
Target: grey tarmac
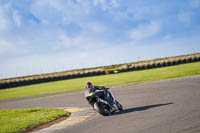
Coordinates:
[167,106]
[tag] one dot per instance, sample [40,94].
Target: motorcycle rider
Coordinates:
[91,88]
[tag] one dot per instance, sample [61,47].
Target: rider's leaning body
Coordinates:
[91,89]
[102,94]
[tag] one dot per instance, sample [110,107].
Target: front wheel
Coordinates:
[99,108]
[119,106]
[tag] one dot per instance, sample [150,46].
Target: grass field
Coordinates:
[19,120]
[133,77]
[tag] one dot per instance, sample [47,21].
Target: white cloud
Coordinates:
[95,2]
[78,42]
[139,12]
[13,45]
[144,31]
[167,37]
[145,10]
[114,3]
[17,18]
[44,21]
[68,42]
[194,3]
[61,11]
[4,22]
[106,5]
[102,3]
[95,27]
[44,10]
[8,16]
[185,17]
[5,46]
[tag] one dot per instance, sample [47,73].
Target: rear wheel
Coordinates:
[100,109]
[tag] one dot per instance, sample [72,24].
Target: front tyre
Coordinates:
[99,108]
[119,106]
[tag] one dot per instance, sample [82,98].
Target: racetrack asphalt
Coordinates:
[167,106]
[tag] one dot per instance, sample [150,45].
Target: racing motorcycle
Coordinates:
[103,102]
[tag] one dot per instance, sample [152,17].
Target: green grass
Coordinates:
[133,77]
[18,120]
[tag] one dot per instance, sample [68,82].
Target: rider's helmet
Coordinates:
[88,84]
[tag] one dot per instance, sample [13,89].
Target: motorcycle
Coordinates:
[103,102]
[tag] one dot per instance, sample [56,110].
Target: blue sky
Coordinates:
[43,36]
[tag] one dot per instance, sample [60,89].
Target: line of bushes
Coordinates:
[162,62]
[35,79]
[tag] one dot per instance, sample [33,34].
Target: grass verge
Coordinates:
[19,120]
[133,77]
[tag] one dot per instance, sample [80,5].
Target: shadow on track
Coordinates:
[140,108]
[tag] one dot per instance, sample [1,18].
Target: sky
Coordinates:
[44,36]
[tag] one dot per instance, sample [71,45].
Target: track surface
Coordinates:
[168,106]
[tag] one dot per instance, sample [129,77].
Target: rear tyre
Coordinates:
[98,107]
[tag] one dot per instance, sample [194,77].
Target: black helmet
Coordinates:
[88,84]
